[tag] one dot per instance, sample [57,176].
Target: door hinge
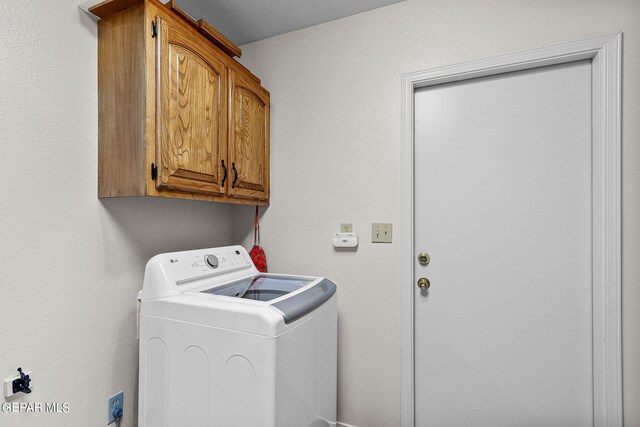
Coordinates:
[154,172]
[154,29]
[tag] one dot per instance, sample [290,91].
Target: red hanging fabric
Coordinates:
[257,253]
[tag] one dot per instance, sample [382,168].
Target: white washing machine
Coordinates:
[224,345]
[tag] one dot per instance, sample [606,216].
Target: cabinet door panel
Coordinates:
[248,139]
[191,129]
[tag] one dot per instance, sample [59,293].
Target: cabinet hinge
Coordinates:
[154,172]
[154,29]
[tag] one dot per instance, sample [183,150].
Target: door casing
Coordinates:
[605,54]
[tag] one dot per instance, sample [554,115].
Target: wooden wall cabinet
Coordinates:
[178,116]
[248,138]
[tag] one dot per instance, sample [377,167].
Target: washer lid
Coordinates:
[260,287]
[306,301]
[284,294]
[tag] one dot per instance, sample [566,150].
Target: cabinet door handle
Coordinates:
[235,174]
[224,176]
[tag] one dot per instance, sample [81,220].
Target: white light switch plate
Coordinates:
[381,232]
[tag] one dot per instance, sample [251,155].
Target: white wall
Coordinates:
[336,144]
[71,265]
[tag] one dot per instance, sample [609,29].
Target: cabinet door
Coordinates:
[191,112]
[248,139]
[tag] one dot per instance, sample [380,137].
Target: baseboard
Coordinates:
[344,425]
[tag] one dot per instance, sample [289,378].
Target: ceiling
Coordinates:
[245,21]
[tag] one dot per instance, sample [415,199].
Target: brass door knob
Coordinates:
[424,258]
[424,283]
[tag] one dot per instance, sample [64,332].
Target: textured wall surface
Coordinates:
[336,147]
[70,264]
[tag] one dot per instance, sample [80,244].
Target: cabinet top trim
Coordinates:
[207,30]
[110,7]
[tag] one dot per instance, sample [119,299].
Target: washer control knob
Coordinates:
[211,260]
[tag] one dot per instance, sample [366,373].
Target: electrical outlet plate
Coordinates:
[381,232]
[346,228]
[8,383]
[112,402]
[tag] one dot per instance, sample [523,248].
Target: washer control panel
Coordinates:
[167,274]
[191,265]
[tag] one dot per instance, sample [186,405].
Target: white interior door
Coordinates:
[503,170]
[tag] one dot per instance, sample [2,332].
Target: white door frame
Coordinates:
[606,54]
